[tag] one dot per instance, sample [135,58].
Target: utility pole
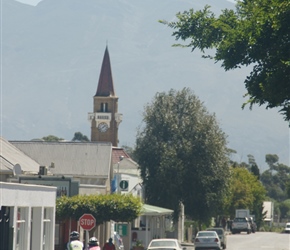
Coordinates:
[118,179]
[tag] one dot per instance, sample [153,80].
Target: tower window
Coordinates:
[104,107]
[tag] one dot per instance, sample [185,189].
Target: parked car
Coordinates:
[222,235]
[287,228]
[241,225]
[207,240]
[165,244]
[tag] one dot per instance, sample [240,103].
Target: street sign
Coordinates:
[87,222]
[124,185]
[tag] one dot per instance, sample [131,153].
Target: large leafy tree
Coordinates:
[182,155]
[256,34]
[246,192]
[276,179]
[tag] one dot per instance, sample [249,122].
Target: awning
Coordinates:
[155,211]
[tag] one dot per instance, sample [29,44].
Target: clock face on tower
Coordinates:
[103,127]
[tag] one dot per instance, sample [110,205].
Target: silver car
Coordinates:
[207,240]
[222,235]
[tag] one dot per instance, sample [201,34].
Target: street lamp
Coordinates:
[118,181]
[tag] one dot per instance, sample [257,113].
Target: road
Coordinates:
[257,241]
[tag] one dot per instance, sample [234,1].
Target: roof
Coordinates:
[11,155]
[70,158]
[106,85]
[126,165]
[155,211]
[117,153]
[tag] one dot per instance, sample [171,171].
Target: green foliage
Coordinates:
[182,153]
[78,136]
[284,208]
[122,208]
[276,179]
[256,33]
[246,192]
[52,138]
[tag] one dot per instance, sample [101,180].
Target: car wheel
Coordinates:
[249,231]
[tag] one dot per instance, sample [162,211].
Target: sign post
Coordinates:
[87,222]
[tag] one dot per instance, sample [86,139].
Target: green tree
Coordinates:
[182,153]
[253,167]
[256,34]
[246,192]
[276,179]
[52,138]
[78,136]
[115,207]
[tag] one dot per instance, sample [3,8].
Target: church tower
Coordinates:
[105,118]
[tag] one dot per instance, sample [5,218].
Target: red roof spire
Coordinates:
[106,85]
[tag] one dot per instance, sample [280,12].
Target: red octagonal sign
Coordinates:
[87,222]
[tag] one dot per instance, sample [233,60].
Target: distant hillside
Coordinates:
[51,59]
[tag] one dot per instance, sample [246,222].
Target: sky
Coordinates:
[35,2]
[242,155]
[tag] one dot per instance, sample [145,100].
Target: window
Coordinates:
[21,228]
[47,225]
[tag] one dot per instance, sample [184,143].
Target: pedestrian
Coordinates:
[94,244]
[109,245]
[75,243]
[224,223]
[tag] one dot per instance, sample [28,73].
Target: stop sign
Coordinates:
[87,222]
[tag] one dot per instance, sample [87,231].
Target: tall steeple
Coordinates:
[106,85]
[105,119]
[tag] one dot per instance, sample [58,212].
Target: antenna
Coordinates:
[17,169]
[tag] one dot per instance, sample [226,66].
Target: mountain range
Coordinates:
[51,59]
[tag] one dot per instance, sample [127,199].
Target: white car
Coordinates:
[287,228]
[207,240]
[165,244]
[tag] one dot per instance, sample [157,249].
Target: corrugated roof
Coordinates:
[11,155]
[70,158]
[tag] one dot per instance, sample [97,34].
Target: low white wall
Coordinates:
[13,194]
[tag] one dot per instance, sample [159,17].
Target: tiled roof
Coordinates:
[70,158]
[10,156]
[126,165]
[117,153]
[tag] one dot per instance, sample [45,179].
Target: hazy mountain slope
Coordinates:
[51,59]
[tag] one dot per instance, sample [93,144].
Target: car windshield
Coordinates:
[219,231]
[167,243]
[240,220]
[206,234]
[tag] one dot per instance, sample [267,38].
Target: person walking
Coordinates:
[109,245]
[75,243]
[94,244]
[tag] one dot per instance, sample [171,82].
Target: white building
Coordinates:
[27,216]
